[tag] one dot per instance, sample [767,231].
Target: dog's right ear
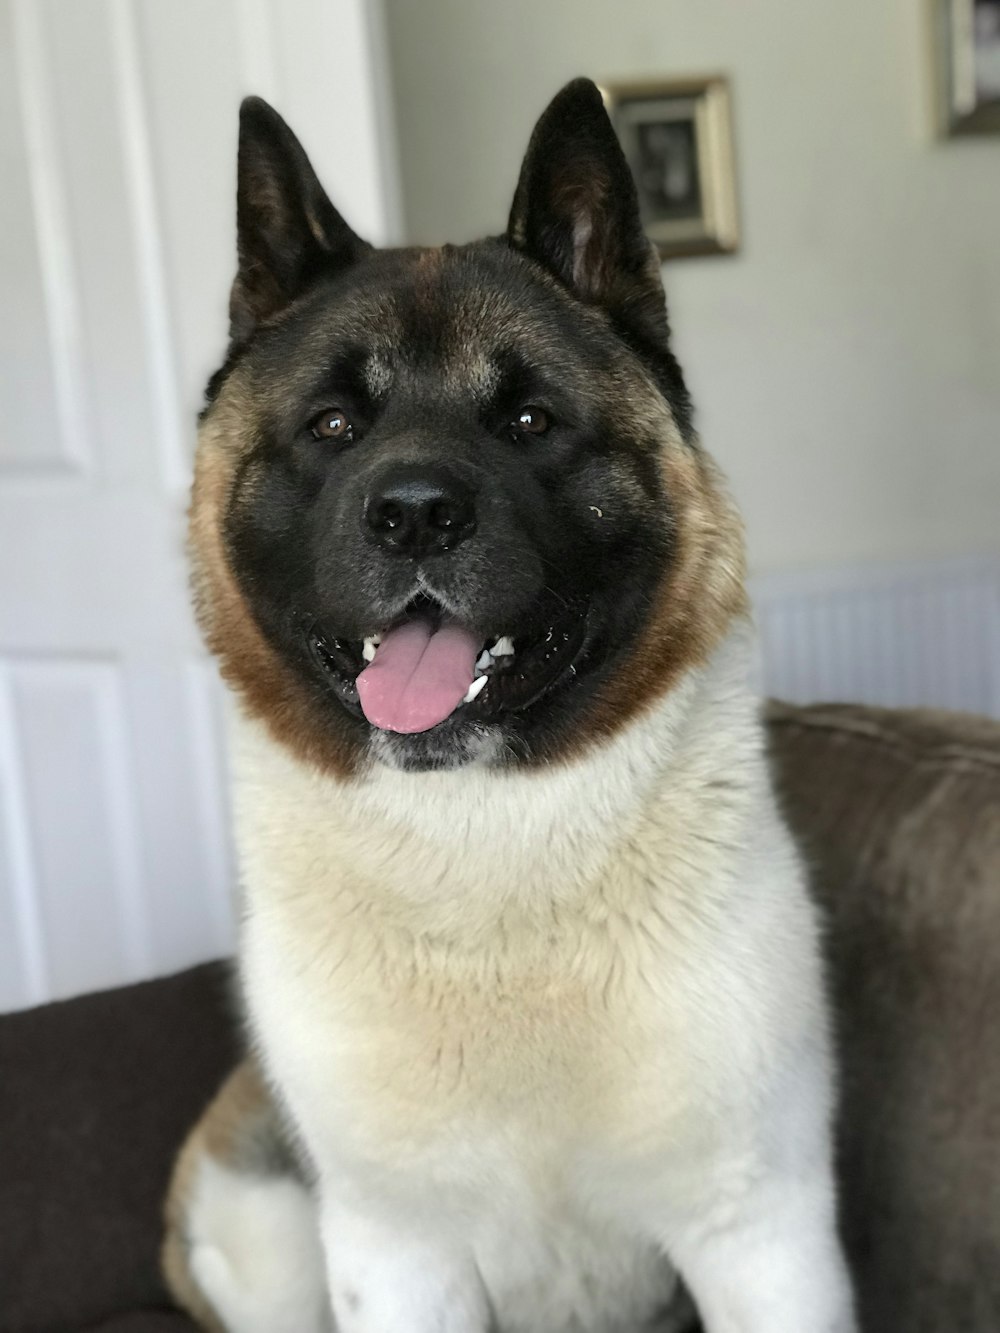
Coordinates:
[288,232]
[576,212]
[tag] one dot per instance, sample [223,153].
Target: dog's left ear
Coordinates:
[576,211]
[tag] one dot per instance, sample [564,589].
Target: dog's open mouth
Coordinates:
[422,670]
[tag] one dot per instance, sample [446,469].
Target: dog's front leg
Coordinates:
[385,1278]
[774,1266]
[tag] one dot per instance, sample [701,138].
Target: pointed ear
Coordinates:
[288,232]
[576,211]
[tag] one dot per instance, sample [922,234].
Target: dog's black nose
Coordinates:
[420,510]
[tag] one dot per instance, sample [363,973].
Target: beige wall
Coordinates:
[846,365]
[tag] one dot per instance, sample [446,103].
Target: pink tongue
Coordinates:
[419,676]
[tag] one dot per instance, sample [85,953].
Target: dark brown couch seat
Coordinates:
[899,814]
[95,1097]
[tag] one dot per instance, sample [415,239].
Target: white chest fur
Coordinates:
[471,976]
[565,1021]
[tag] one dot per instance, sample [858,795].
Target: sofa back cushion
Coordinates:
[899,817]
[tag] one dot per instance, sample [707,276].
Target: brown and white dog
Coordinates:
[531,975]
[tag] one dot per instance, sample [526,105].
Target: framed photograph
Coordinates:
[677,136]
[966,36]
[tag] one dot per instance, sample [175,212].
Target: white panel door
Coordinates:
[118,140]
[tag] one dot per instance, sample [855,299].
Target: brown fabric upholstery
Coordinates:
[95,1097]
[900,817]
[144,1321]
[899,814]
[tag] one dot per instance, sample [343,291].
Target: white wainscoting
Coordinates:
[922,634]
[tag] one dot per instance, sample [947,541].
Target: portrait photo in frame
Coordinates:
[966,41]
[677,136]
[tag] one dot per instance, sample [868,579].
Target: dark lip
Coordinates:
[541,663]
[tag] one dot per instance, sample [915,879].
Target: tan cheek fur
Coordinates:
[266,687]
[702,591]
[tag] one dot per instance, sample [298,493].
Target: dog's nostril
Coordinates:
[387,516]
[449,514]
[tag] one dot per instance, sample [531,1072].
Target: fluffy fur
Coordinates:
[541,1001]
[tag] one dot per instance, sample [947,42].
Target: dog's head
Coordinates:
[448,505]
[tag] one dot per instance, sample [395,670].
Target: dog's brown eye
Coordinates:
[532,421]
[333,424]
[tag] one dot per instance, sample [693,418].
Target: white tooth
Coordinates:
[478,684]
[484,660]
[368,650]
[503,647]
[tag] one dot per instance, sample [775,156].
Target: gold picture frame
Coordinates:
[678,138]
[965,36]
